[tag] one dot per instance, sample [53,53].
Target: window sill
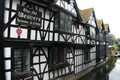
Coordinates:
[58,66]
[19,75]
[87,61]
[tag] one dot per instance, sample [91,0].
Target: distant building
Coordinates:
[100,40]
[118,41]
[110,40]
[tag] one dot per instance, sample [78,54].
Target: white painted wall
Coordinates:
[78,60]
[7,54]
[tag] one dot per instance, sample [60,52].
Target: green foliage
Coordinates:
[114,41]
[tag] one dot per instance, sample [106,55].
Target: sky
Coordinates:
[107,10]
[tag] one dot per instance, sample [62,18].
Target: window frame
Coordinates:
[92,32]
[63,23]
[23,73]
[88,32]
[57,60]
[86,55]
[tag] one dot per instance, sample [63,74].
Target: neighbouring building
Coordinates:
[107,31]
[47,39]
[102,40]
[117,43]
[89,23]
[111,44]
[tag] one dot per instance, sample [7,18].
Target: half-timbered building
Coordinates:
[42,39]
[100,40]
[45,40]
[106,36]
[90,25]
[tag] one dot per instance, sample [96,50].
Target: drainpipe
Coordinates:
[2,66]
[105,46]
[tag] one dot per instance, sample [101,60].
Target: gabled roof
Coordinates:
[86,14]
[99,23]
[106,27]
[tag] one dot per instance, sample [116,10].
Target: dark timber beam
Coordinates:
[2,66]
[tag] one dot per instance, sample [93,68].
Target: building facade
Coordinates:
[46,40]
[102,40]
[89,23]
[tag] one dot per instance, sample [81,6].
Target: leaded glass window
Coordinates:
[63,22]
[56,21]
[21,60]
[57,57]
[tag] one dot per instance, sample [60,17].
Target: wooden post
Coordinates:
[2,66]
[105,45]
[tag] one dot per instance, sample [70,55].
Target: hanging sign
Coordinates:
[19,31]
[27,16]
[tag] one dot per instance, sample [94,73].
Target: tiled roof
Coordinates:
[106,27]
[85,14]
[99,23]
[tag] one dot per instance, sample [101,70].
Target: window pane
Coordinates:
[62,25]
[87,55]
[65,22]
[55,52]
[62,21]
[62,15]
[66,18]
[70,19]
[17,62]
[26,60]
[21,60]
[57,56]
[68,27]
[57,17]
[92,32]
[61,55]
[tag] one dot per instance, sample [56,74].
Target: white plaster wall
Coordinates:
[92,20]
[78,60]
[7,54]
[69,7]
